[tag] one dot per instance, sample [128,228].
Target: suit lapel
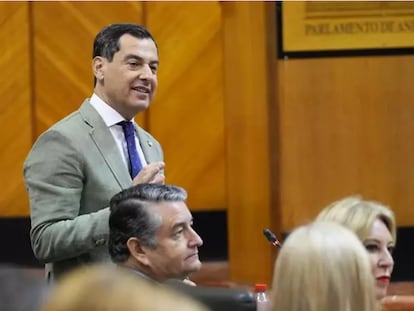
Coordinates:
[104,141]
[146,144]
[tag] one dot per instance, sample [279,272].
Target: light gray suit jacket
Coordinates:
[71,173]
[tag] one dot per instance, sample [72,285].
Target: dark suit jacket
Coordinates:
[71,173]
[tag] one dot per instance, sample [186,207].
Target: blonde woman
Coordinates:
[374,224]
[323,267]
[105,288]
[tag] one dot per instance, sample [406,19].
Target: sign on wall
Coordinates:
[307,28]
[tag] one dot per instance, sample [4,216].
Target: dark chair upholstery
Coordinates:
[218,298]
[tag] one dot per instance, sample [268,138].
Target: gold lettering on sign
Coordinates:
[347,25]
[318,29]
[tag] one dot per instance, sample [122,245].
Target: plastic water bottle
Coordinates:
[262,299]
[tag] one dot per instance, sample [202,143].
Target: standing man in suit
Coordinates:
[77,165]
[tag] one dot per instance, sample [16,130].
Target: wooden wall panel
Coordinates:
[187,114]
[15,108]
[63,39]
[346,127]
[248,122]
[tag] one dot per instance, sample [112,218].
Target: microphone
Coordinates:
[271,237]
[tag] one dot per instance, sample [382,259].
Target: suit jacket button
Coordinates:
[100,242]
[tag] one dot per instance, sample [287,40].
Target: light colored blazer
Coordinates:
[71,173]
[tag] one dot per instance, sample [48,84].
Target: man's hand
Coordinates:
[153,173]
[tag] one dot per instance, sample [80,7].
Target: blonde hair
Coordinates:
[359,215]
[323,267]
[110,288]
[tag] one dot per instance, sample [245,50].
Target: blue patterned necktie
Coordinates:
[134,162]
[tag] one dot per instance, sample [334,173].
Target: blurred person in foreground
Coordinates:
[374,224]
[151,233]
[21,290]
[323,267]
[108,288]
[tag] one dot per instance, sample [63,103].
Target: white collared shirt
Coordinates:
[111,117]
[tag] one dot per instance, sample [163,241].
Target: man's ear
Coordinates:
[138,251]
[98,66]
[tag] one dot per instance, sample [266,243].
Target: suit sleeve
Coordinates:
[54,178]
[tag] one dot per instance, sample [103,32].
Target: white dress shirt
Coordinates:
[111,117]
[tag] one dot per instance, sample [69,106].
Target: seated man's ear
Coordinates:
[137,250]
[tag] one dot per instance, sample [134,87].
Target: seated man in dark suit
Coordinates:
[150,232]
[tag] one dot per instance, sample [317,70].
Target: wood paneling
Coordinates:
[187,115]
[63,38]
[346,127]
[247,138]
[15,108]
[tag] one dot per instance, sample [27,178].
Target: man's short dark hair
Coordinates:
[131,216]
[106,42]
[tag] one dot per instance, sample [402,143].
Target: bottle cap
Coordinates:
[261,287]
